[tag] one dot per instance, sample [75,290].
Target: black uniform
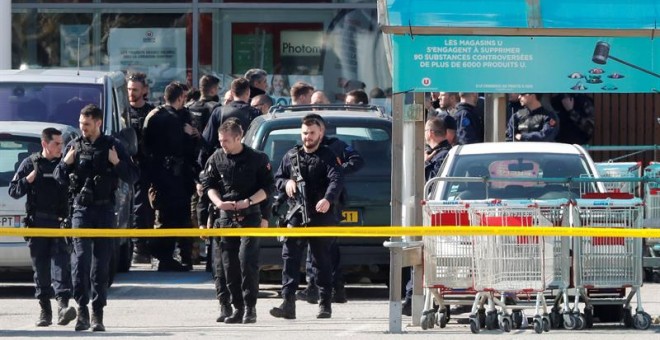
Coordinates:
[93,182]
[143,214]
[323,179]
[535,126]
[577,125]
[200,111]
[470,126]
[238,177]
[167,149]
[46,207]
[432,166]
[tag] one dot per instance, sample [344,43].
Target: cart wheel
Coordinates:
[642,321]
[569,321]
[431,320]
[474,325]
[580,323]
[555,319]
[546,324]
[424,321]
[447,312]
[491,320]
[589,317]
[627,317]
[481,314]
[441,320]
[505,324]
[538,326]
[517,317]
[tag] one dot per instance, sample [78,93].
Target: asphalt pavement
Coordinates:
[144,304]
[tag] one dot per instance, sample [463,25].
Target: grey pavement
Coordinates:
[148,305]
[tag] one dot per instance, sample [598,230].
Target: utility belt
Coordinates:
[239,215]
[47,216]
[92,203]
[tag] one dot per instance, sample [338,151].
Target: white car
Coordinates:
[510,160]
[18,140]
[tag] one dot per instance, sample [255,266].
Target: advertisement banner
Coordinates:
[158,52]
[496,64]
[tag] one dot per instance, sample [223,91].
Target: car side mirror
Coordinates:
[128,138]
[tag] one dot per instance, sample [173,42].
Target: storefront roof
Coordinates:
[550,14]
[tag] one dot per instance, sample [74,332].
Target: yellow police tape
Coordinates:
[376,231]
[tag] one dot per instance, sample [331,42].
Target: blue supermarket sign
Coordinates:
[497,64]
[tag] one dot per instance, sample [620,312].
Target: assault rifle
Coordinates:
[300,198]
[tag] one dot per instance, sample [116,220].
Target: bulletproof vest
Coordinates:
[528,122]
[138,115]
[200,112]
[314,174]
[93,170]
[46,194]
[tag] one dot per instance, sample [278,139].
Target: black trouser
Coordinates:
[162,248]
[143,214]
[221,291]
[335,259]
[292,253]
[240,261]
[91,260]
[51,262]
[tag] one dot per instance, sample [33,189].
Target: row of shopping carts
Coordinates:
[500,276]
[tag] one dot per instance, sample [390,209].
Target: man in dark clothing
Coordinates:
[167,149]
[576,114]
[237,178]
[258,79]
[435,133]
[470,127]
[138,90]
[201,109]
[351,161]
[316,166]
[533,122]
[46,208]
[92,167]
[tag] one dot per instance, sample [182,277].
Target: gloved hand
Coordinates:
[275,209]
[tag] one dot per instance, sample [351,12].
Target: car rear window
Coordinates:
[373,144]
[522,165]
[54,103]
[12,153]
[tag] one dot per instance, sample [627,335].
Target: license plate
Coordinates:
[11,221]
[350,216]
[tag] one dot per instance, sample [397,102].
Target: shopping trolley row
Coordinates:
[496,271]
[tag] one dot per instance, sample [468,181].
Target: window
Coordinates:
[13,150]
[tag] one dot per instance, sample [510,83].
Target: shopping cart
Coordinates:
[448,261]
[623,170]
[606,265]
[510,265]
[652,195]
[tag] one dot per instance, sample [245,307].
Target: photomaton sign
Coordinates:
[500,64]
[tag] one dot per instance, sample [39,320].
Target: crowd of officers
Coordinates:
[191,169]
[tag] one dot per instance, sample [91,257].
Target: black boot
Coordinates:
[82,324]
[325,310]
[309,294]
[65,314]
[46,314]
[406,308]
[339,295]
[225,312]
[286,310]
[236,316]
[97,321]
[250,315]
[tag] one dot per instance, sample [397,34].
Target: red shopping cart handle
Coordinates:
[614,195]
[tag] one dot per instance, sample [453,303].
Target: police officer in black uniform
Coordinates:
[323,183]
[237,178]
[46,207]
[92,167]
[165,140]
[351,161]
[532,122]
[138,89]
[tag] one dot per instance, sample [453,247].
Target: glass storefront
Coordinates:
[333,45]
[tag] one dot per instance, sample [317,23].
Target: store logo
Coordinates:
[301,43]
[426,81]
[149,37]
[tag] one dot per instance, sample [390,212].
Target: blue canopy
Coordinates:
[565,14]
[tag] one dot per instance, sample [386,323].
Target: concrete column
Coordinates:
[5,34]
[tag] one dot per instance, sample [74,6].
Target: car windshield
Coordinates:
[517,165]
[373,144]
[55,103]
[12,152]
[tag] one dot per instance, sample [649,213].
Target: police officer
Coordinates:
[92,167]
[321,173]
[172,179]
[46,208]
[351,161]
[469,119]
[532,122]
[138,89]
[237,178]
[435,133]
